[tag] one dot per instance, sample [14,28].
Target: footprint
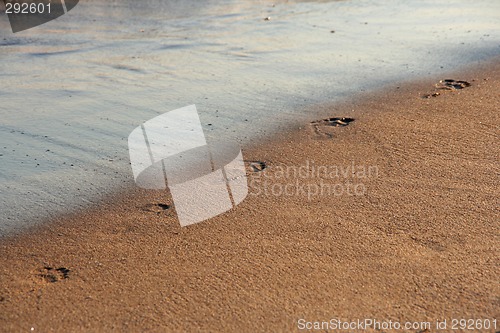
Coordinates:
[155,208]
[436,94]
[256,166]
[52,275]
[450,84]
[429,243]
[324,128]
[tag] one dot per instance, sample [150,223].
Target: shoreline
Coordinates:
[58,155]
[417,245]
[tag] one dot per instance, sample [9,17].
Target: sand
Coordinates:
[417,241]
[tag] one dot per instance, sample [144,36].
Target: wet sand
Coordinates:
[73,89]
[418,241]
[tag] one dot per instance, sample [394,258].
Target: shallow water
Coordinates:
[73,89]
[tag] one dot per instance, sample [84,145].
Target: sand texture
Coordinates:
[420,243]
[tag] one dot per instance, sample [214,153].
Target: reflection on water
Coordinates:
[74,88]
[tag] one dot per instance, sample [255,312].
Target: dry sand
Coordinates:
[420,244]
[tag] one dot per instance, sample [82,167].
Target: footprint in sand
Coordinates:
[448,84]
[256,166]
[155,208]
[325,128]
[51,275]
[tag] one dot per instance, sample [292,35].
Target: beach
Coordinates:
[74,88]
[404,229]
